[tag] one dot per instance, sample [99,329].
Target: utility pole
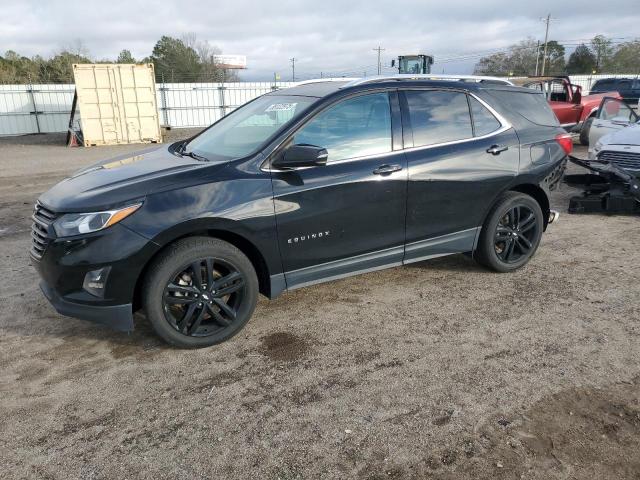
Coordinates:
[537,57]
[379,50]
[293,69]
[546,39]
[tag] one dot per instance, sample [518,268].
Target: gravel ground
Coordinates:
[436,370]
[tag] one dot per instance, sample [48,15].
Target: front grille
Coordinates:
[626,160]
[40,229]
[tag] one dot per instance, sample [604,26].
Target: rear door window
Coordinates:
[438,116]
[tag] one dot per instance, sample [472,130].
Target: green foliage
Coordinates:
[59,69]
[601,56]
[496,64]
[125,57]
[602,49]
[520,60]
[581,61]
[626,59]
[175,60]
[555,64]
[17,69]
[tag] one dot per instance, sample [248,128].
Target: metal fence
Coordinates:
[28,109]
[587,81]
[34,108]
[201,104]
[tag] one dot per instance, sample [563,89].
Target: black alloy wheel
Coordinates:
[199,291]
[511,232]
[203,297]
[516,234]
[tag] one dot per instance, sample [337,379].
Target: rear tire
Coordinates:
[200,291]
[584,131]
[511,233]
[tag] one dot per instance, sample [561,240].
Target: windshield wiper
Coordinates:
[193,155]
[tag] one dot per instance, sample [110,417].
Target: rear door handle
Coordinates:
[387,169]
[496,149]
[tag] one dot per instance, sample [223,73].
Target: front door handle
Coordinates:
[387,169]
[496,149]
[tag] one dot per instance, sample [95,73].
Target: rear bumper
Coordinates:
[118,317]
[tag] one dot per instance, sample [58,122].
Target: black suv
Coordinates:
[628,88]
[300,186]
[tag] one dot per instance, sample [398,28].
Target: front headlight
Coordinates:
[598,146]
[77,223]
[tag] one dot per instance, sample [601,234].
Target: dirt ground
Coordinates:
[438,370]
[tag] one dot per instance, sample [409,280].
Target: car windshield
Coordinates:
[244,130]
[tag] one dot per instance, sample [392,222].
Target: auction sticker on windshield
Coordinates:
[279,107]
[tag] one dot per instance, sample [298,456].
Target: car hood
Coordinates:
[625,136]
[121,179]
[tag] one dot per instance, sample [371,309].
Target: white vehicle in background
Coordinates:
[615,135]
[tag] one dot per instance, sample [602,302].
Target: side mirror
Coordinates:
[302,156]
[393,63]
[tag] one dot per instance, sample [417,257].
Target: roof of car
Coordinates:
[321,89]
[314,89]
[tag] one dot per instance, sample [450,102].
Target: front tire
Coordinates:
[584,131]
[511,233]
[200,291]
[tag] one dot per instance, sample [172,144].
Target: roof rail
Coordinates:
[331,79]
[428,76]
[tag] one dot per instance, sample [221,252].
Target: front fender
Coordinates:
[242,207]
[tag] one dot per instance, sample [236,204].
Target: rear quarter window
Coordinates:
[529,105]
[438,116]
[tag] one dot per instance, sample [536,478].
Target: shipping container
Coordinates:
[117,103]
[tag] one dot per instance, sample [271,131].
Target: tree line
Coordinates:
[599,56]
[185,59]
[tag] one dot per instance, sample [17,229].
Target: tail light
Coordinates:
[565,141]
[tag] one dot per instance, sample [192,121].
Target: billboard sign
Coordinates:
[231,61]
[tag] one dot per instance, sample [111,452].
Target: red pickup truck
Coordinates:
[574,110]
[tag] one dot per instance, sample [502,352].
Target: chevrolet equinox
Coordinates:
[300,186]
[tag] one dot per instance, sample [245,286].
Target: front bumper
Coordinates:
[66,261]
[118,317]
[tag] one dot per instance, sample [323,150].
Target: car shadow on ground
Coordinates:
[139,342]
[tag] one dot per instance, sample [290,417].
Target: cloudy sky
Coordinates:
[336,36]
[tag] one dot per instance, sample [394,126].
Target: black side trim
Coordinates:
[346,267]
[458,242]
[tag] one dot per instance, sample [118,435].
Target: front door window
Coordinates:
[356,127]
